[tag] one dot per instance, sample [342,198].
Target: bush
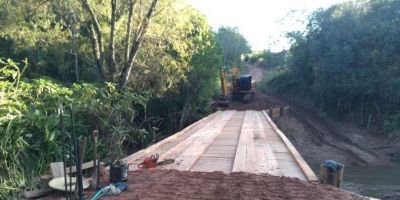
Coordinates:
[269,76]
[267,59]
[391,124]
[30,128]
[344,66]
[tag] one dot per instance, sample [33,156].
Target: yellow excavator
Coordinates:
[239,88]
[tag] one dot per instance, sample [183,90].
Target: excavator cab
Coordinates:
[245,89]
[240,88]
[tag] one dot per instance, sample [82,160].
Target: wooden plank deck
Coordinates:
[230,141]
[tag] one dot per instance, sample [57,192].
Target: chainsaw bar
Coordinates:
[166,162]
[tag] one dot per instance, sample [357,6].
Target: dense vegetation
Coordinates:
[267,59]
[233,46]
[30,126]
[136,70]
[347,62]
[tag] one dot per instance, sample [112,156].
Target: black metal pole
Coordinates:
[72,122]
[98,174]
[79,182]
[72,147]
[61,112]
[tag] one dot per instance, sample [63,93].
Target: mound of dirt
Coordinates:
[172,184]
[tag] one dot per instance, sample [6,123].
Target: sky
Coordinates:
[263,23]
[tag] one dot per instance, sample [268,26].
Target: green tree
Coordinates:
[233,45]
[178,57]
[190,100]
[267,58]
[347,61]
[106,39]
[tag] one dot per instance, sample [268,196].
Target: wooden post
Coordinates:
[327,176]
[323,173]
[332,176]
[339,177]
[275,113]
[269,112]
[285,110]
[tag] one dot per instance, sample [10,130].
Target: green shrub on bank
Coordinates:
[30,136]
[347,63]
[391,124]
[267,59]
[269,75]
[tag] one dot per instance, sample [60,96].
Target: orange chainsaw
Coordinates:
[151,162]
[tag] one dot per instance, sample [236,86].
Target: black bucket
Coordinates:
[119,172]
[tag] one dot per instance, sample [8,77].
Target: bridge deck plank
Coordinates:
[230,141]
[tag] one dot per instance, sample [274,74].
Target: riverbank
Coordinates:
[318,137]
[369,170]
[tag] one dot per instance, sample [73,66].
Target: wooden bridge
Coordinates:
[230,141]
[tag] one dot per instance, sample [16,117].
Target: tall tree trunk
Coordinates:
[112,62]
[132,4]
[96,38]
[75,51]
[126,70]
[97,54]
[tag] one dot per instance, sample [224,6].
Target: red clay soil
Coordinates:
[172,184]
[260,102]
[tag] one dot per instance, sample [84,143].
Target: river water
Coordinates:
[373,181]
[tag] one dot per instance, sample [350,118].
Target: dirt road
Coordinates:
[256,72]
[320,138]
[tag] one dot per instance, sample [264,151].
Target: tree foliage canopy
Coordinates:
[233,45]
[79,53]
[267,59]
[348,59]
[44,32]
